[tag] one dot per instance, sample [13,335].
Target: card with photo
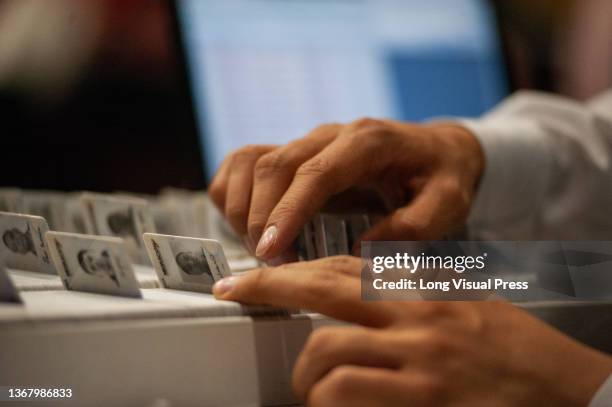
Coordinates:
[96,264]
[186,263]
[8,292]
[22,243]
[123,217]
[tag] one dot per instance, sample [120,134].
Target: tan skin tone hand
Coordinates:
[426,174]
[416,353]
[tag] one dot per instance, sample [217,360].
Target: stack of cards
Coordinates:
[185,263]
[331,235]
[22,243]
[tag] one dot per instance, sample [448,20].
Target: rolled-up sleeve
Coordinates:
[548,169]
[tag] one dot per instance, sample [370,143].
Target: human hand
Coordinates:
[426,174]
[420,353]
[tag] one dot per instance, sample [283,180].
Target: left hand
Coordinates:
[420,353]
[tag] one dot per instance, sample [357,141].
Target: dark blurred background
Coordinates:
[93,95]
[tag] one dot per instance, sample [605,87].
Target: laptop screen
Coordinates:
[268,71]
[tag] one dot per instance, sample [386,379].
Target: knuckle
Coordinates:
[315,167]
[246,152]
[327,128]
[451,191]
[321,284]
[235,213]
[343,263]
[327,131]
[285,209]
[340,382]
[419,228]
[367,123]
[320,339]
[370,133]
[431,343]
[271,163]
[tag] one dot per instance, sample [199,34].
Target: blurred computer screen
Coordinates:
[93,96]
[268,71]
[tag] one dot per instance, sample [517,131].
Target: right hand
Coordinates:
[419,353]
[427,173]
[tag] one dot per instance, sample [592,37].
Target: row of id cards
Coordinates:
[120,232]
[104,264]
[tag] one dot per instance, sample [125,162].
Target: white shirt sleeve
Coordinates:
[603,397]
[548,174]
[548,169]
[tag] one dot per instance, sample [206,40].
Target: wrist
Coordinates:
[464,146]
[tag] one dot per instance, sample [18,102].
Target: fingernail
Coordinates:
[246,240]
[266,241]
[225,285]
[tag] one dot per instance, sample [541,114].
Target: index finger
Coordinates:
[274,172]
[344,163]
[321,286]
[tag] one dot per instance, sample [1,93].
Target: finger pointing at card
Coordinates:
[308,285]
